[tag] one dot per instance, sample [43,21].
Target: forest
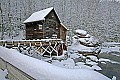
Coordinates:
[100,18]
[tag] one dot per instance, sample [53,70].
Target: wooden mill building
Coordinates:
[45,35]
[45,24]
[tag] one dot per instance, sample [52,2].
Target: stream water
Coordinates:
[111,68]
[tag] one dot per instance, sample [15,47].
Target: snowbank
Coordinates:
[41,70]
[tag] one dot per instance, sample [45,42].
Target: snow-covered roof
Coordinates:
[40,15]
[64,26]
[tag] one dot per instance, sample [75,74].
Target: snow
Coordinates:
[95,67]
[64,26]
[3,74]
[91,40]
[94,58]
[110,47]
[88,35]
[81,48]
[41,70]
[48,40]
[40,15]
[83,40]
[44,40]
[81,32]
[86,39]
[116,54]
[91,62]
[108,60]
[68,62]
[78,47]
[114,78]
[80,63]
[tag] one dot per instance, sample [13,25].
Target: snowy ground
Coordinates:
[45,71]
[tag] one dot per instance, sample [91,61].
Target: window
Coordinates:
[40,26]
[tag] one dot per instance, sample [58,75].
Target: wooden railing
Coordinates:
[14,73]
[30,47]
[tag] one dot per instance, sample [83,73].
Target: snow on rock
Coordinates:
[78,47]
[103,62]
[94,58]
[41,70]
[88,36]
[84,40]
[95,67]
[110,47]
[106,60]
[81,66]
[68,62]
[114,78]
[116,54]
[81,32]
[80,43]
[91,40]
[80,63]
[91,63]
[74,56]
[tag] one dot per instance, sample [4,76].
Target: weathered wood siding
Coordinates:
[33,31]
[63,33]
[48,27]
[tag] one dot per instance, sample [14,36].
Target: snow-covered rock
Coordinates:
[85,43]
[68,62]
[114,78]
[81,32]
[105,60]
[95,67]
[78,47]
[94,58]
[110,47]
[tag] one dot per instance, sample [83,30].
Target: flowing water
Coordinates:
[112,67]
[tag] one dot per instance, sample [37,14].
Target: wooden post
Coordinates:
[18,44]
[49,47]
[30,44]
[5,43]
[57,50]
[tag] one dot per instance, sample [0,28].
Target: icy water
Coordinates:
[111,68]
